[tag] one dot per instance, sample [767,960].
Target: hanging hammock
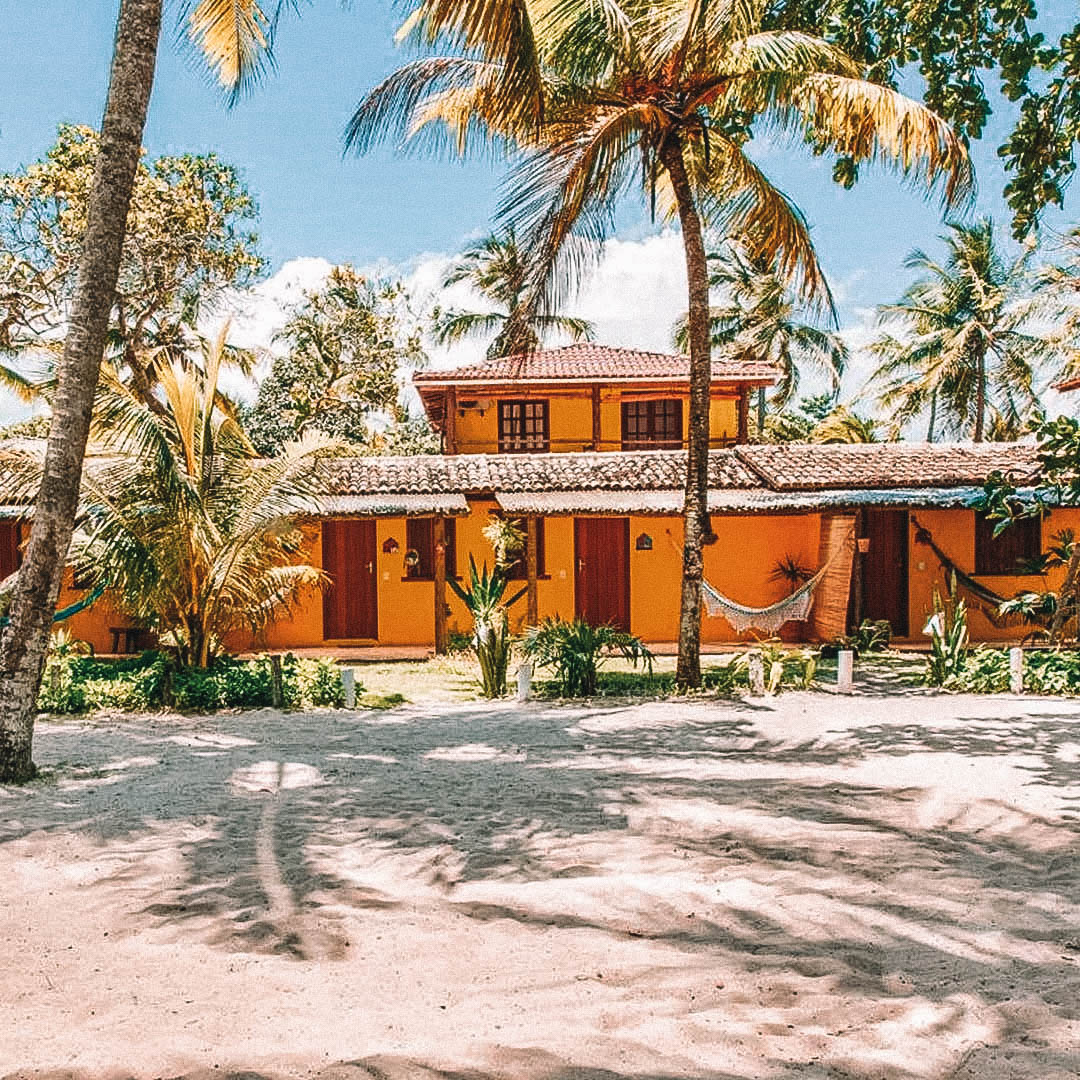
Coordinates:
[793,608]
[72,609]
[989,602]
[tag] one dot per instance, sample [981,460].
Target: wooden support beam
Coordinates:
[742,411]
[532,571]
[440,585]
[596,416]
[450,421]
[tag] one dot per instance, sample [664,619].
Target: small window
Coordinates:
[520,569]
[523,427]
[420,537]
[1006,553]
[652,425]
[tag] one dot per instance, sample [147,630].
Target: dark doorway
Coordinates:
[885,568]
[350,601]
[602,578]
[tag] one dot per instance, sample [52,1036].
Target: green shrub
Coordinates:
[948,630]
[308,684]
[1046,671]
[574,651]
[74,683]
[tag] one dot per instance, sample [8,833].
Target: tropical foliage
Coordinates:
[344,345]
[496,269]
[949,639]
[575,652]
[760,319]
[189,240]
[599,96]
[484,599]
[957,348]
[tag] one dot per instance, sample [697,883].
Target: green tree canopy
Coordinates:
[189,241]
[346,344]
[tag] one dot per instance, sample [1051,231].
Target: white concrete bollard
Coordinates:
[756,669]
[524,681]
[1016,670]
[348,681]
[845,669]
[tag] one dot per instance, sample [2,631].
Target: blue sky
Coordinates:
[286,138]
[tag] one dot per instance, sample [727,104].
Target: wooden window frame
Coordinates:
[1021,542]
[420,537]
[521,442]
[652,410]
[520,570]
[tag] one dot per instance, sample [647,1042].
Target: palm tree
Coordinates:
[496,269]
[600,93]
[1058,285]
[195,534]
[759,320]
[955,347]
[842,425]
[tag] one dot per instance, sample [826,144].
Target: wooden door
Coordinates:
[350,601]
[885,568]
[602,577]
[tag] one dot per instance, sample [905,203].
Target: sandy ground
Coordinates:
[805,887]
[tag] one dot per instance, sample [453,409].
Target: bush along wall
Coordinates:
[78,684]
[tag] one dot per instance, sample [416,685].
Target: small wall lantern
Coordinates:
[412,557]
[644,542]
[390,546]
[864,544]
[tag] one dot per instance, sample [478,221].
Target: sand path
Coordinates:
[808,886]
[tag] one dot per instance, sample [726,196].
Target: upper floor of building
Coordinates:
[584,398]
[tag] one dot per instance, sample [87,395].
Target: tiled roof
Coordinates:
[595,363]
[807,467]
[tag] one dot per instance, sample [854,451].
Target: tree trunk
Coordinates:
[933,417]
[698,529]
[26,640]
[980,392]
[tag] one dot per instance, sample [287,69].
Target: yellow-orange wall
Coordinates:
[739,565]
[570,419]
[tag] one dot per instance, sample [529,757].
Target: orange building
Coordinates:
[584,446]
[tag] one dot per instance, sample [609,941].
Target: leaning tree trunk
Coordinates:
[698,529]
[980,392]
[25,642]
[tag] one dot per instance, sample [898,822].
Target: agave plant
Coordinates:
[575,651]
[948,630]
[491,629]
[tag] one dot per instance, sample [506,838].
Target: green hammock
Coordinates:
[72,609]
[989,601]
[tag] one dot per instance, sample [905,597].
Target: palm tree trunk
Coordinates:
[980,392]
[695,506]
[26,640]
[933,416]
[1066,596]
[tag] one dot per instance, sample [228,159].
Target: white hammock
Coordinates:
[795,607]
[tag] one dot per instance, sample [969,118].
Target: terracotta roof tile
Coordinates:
[806,467]
[592,363]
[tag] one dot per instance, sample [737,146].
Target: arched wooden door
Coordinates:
[602,575]
[351,600]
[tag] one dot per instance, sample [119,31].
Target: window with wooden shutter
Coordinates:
[420,537]
[652,425]
[1007,552]
[523,427]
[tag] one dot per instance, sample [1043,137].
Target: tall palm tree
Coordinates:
[610,93]
[495,267]
[760,319]
[955,347]
[1058,287]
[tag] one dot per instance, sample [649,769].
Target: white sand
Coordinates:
[804,887]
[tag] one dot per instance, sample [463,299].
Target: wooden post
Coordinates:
[742,412]
[277,689]
[857,570]
[596,440]
[845,666]
[532,570]
[450,421]
[440,585]
[1016,670]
